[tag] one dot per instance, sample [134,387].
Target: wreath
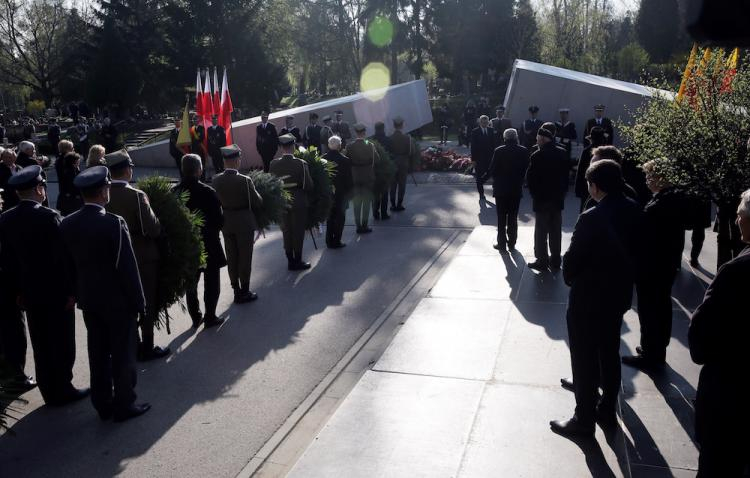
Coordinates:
[275,198]
[180,244]
[321,173]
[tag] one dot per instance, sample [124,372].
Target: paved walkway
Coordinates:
[471,380]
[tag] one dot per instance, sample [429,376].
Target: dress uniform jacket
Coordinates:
[294,132]
[500,125]
[217,139]
[341,129]
[530,128]
[312,138]
[132,205]
[363,155]
[296,177]
[606,124]
[566,134]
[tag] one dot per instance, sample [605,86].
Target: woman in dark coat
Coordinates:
[718,337]
[69,200]
[203,198]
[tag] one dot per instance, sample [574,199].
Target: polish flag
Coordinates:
[226,108]
[198,96]
[217,95]
[208,104]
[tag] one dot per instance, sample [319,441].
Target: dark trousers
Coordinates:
[112,342]
[697,238]
[479,170]
[178,162]
[267,158]
[595,361]
[149,272]
[52,332]
[507,219]
[12,334]
[211,292]
[380,204]
[335,224]
[361,203]
[655,312]
[729,242]
[548,232]
[398,188]
[218,161]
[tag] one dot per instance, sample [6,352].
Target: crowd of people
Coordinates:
[114,281]
[621,242]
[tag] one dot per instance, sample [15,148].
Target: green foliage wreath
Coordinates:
[275,198]
[321,172]
[180,244]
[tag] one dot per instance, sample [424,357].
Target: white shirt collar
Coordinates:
[31,201]
[119,181]
[230,169]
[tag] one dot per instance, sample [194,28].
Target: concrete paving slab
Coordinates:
[449,338]
[534,350]
[395,425]
[544,286]
[643,471]
[478,277]
[511,438]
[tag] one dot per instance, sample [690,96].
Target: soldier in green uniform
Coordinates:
[363,155]
[238,198]
[133,206]
[402,148]
[297,181]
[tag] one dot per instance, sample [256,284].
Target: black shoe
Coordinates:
[21,383]
[73,395]
[337,246]
[243,297]
[571,427]
[694,262]
[511,246]
[398,208]
[555,263]
[105,414]
[197,318]
[639,350]
[154,353]
[366,230]
[299,266]
[538,265]
[212,321]
[385,217]
[567,384]
[376,216]
[131,412]
[641,362]
[499,247]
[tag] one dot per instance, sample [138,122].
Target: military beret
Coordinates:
[327,118]
[230,152]
[359,127]
[546,133]
[599,107]
[500,108]
[564,110]
[379,125]
[287,139]
[398,121]
[27,178]
[533,109]
[118,160]
[92,178]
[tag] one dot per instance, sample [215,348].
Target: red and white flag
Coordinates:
[198,96]
[208,104]
[217,95]
[226,108]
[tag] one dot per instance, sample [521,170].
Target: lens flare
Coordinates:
[380,31]
[376,77]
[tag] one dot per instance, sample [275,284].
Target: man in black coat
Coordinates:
[482,149]
[289,128]
[500,123]
[109,135]
[599,269]
[30,242]
[342,187]
[718,340]
[530,127]
[109,292]
[508,170]
[664,224]
[565,131]
[311,138]
[547,179]
[266,140]
[341,128]
[603,123]
[596,138]
[53,133]
[203,198]
[217,139]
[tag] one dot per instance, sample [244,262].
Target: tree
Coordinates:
[631,60]
[658,27]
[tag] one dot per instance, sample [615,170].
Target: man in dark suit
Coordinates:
[53,133]
[531,126]
[602,122]
[508,170]
[566,131]
[596,138]
[109,135]
[547,178]
[664,224]
[341,128]
[109,292]
[500,123]
[342,190]
[718,340]
[266,140]
[217,139]
[289,128]
[203,198]
[175,151]
[482,148]
[30,242]
[599,269]
[311,138]
[197,137]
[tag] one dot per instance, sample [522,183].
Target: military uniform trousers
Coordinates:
[398,188]
[595,360]
[149,273]
[293,225]
[267,157]
[217,159]
[654,291]
[507,219]
[52,332]
[239,249]
[361,202]
[336,221]
[380,203]
[12,334]
[112,339]
[548,232]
